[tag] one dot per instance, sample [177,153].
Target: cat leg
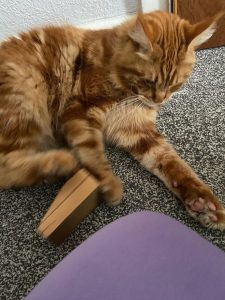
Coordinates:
[27,167]
[163,161]
[159,157]
[83,133]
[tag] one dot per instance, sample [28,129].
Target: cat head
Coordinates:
[158,54]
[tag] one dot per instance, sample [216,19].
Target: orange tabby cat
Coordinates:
[63,89]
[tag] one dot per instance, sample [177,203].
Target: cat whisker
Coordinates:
[141,100]
[128,102]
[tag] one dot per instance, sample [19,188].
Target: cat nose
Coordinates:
[160,96]
[168,94]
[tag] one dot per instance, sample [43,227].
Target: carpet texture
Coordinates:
[193,121]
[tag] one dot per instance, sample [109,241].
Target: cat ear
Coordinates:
[199,33]
[140,33]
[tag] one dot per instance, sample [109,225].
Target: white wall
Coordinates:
[19,15]
[144,5]
[149,5]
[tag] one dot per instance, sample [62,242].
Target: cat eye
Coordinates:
[149,83]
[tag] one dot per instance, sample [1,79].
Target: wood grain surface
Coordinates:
[197,10]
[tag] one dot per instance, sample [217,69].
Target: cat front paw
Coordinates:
[112,190]
[207,209]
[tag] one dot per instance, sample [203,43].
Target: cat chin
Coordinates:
[151,104]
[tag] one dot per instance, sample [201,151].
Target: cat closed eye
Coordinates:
[149,82]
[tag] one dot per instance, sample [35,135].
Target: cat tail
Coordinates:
[26,167]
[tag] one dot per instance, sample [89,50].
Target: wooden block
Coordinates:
[77,198]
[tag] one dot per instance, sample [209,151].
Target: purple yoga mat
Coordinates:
[142,256]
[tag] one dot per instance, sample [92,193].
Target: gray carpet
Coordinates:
[193,121]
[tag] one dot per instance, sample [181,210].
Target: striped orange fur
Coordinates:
[63,90]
